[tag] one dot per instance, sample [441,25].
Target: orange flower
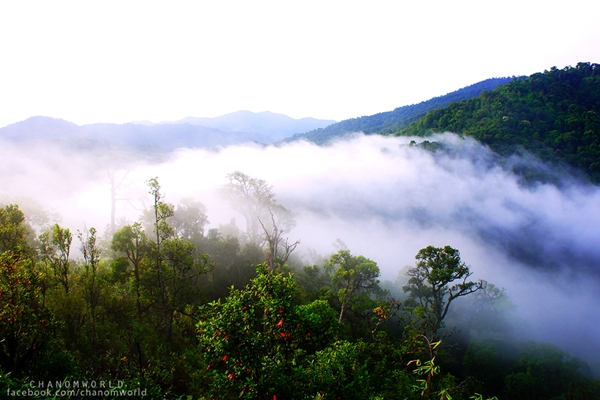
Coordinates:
[279,324]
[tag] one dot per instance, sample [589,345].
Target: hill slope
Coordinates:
[554,115]
[391,121]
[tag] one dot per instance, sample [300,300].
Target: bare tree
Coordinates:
[114,187]
[266,220]
[278,249]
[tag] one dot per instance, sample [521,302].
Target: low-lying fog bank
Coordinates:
[383,197]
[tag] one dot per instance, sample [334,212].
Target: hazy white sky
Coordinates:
[120,61]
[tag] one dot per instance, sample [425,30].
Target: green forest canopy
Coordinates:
[167,307]
[555,115]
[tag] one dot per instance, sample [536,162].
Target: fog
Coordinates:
[384,198]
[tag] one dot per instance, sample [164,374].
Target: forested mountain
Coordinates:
[554,115]
[391,121]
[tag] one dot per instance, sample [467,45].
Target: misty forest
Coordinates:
[442,250]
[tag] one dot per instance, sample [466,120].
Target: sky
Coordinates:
[115,61]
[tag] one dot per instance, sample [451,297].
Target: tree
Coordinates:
[266,220]
[252,198]
[55,247]
[189,220]
[278,249]
[91,256]
[429,290]
[114,187]
[355,276]
[24,322]
[132,241]
[163,231]
[184,266]
[251,340]
[13,232]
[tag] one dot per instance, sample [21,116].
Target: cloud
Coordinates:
[384,198]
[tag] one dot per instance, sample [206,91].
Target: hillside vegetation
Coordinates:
[392,121]
[554,115]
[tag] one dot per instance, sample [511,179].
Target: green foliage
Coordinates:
[252,339]
[431,382]
[184,270]
[110,317]
[487,363]
[554,115]
[24,322]
[162,211]
[545,371]
[13,232]
[355,278]
[132,241]
[341,371]
[233,263]
[189,219]
[315,281]
[430,293]
[320,323]
[530,370]
[391,121]
[55,247]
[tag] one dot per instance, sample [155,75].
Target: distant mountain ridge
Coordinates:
[275,125]
[235,128]
[391,121]
[555,115]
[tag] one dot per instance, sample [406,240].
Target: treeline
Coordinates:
[555,115]
[182,311]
